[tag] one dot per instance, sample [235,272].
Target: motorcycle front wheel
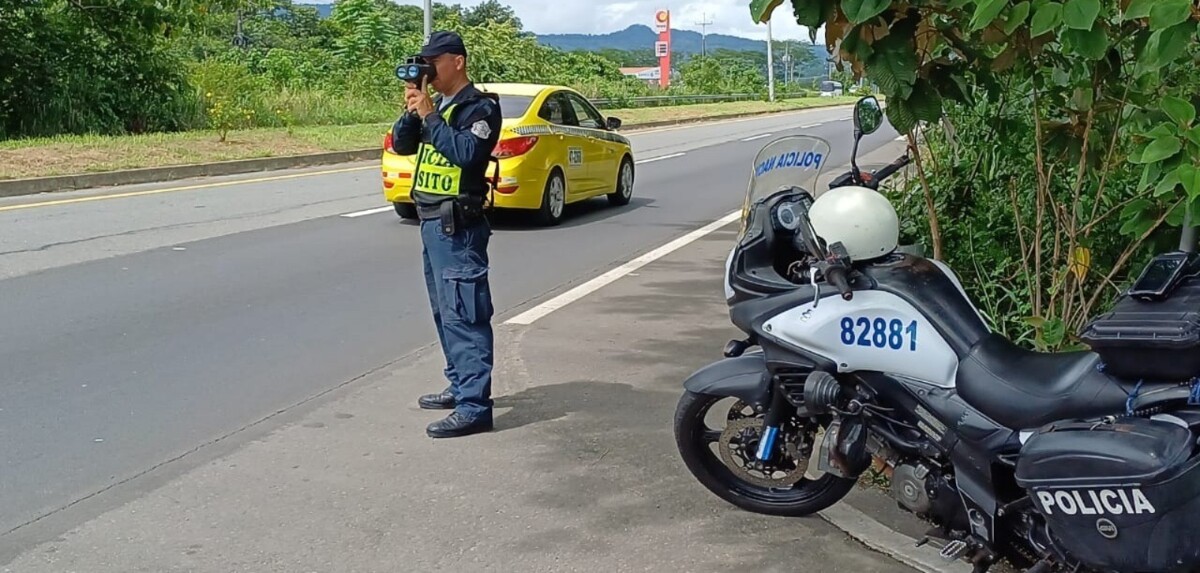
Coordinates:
[722,459]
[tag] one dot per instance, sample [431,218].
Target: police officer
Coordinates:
[453,138]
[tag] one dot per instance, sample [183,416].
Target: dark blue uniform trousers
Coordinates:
[456,276]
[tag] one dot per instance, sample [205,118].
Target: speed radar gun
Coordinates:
[414,69]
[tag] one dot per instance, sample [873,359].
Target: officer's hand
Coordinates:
[410,95]
[417,99]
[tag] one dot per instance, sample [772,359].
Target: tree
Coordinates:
[802,59]
[364,34]
[84,65]
[491,11]
[643,57]
[713,75]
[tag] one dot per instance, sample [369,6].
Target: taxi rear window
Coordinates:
[512,106]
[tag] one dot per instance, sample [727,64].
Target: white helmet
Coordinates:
[860,218]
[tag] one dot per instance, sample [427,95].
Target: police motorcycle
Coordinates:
[859,355]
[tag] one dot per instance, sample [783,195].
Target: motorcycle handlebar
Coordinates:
[891,168]
[836,276]
[868,179]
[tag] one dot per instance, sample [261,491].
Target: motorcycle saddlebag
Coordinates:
[1150,340]
[1118,497]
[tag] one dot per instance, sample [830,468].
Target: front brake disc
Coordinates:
[738,446]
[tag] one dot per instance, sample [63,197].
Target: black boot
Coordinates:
[456,425]
[440,401]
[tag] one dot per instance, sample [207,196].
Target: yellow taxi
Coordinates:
[555,148]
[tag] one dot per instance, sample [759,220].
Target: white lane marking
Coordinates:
[671,156]
[541,310]
[818,124]
[367,212]
[761,117]
[759,136]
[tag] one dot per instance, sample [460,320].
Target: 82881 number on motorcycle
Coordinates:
[879,333]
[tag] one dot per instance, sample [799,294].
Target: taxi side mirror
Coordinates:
[613,123]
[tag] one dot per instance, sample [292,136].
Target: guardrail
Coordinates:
[671,100]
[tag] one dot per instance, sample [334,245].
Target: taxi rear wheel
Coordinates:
[624,184]
[406,210]
[554,199]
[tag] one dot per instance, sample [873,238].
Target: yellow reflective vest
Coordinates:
[435,174]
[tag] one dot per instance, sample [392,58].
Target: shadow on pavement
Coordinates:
[585,212]
[608,459]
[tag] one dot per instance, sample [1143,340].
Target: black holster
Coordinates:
[462,211]
[449,217]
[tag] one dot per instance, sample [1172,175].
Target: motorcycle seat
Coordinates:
[1023,389]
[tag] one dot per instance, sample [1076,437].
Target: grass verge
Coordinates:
[69,155]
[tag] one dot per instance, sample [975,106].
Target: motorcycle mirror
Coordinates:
[867,116]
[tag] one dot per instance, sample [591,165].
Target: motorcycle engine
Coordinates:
[927,492]
[910,485]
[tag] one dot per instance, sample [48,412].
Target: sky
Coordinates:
[602,16]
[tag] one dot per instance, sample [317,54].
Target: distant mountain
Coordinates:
[640,36]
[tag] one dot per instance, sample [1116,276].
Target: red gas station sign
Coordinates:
[662,48]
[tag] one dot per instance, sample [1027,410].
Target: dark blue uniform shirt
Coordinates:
[463,140]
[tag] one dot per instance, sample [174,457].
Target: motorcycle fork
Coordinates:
[777,414]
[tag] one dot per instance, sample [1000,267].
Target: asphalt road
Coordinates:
[138,329]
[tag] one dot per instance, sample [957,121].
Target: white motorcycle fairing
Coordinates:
[875,331]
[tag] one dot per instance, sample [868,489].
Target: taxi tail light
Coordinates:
[515,146]
[387,142]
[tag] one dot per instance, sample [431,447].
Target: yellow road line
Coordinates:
[183,188]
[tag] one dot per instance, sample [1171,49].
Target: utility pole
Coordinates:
[770,65]
[704,23]
[428,19]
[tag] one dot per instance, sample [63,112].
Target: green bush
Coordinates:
[232,95]
[980,180]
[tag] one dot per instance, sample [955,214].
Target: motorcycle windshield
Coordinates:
[791,161]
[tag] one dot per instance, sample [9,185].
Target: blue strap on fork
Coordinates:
[767,443]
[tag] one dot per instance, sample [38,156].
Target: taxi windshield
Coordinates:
[791,161]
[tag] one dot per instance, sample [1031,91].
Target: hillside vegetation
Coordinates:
[634,46]
[110,67]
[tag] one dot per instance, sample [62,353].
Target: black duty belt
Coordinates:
[452,213]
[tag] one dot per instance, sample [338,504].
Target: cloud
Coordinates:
[602,16]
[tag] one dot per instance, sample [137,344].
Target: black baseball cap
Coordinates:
[443,42]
